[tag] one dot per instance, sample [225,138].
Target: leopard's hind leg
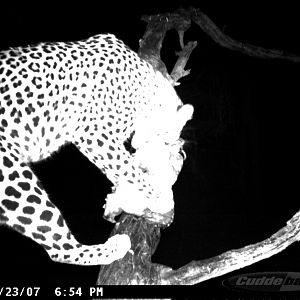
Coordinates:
[26,208]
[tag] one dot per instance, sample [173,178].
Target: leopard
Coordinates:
[102,97]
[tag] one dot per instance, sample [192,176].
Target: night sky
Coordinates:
[238,185]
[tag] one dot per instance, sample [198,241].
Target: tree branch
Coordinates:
[210,28]
[198,271]
[136,267]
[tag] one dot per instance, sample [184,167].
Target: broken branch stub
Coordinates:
[183,57]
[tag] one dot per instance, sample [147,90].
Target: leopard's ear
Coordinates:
[185,112]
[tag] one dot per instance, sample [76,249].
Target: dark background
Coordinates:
[238,185]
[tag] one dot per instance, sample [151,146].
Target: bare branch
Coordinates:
[198,271]
[210,28]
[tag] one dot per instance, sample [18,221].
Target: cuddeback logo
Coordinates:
[265,282]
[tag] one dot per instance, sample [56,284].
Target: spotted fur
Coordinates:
[90,93]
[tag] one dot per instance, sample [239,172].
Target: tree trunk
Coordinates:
[136,267]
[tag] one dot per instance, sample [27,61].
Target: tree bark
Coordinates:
[135,267]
